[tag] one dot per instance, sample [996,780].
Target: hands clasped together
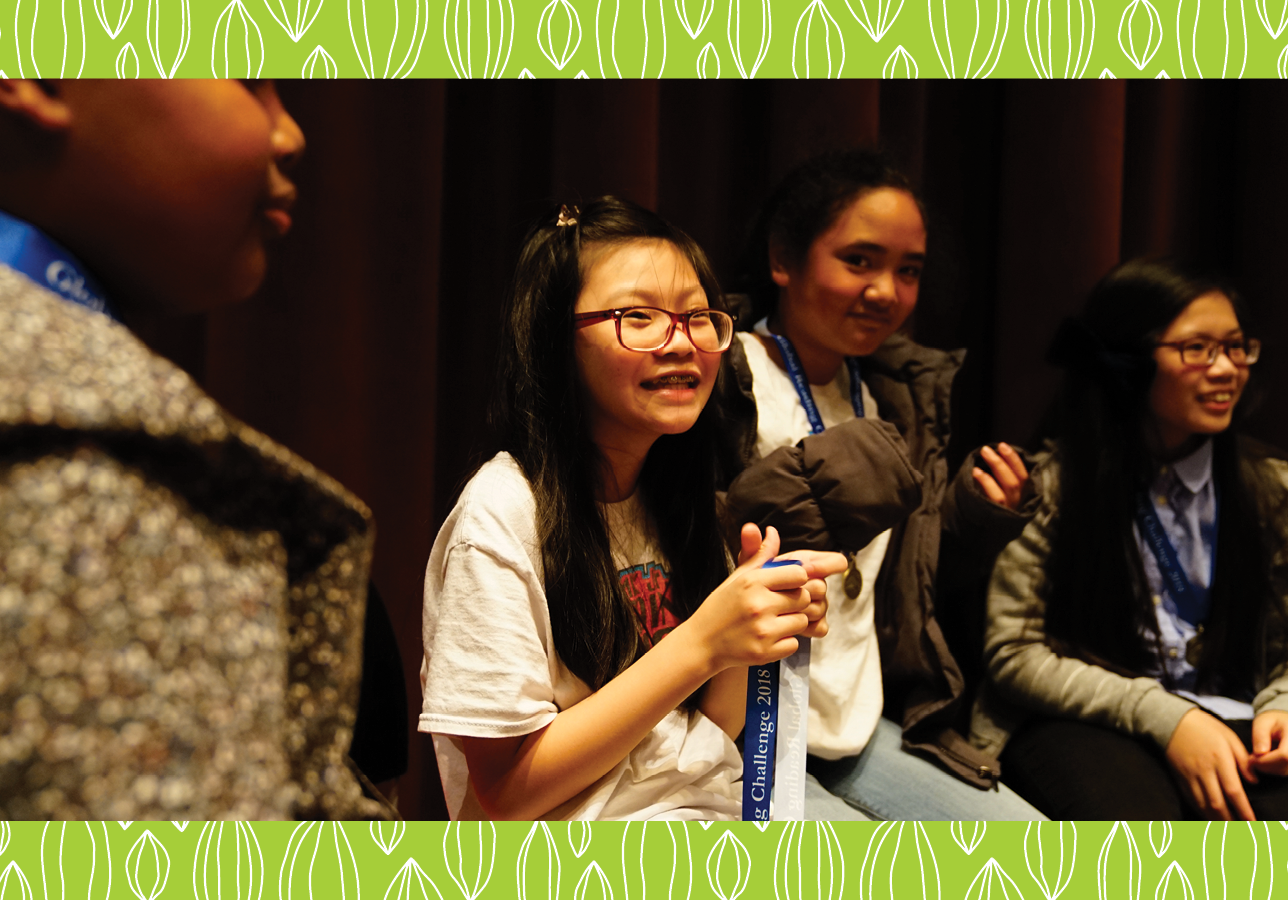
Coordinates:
[1210,761]
[757,614]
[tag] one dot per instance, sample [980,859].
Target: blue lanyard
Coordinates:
[760,737]
[29,250]
[797,374]
[1192,600]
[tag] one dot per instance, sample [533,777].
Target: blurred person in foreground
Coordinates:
[181,599]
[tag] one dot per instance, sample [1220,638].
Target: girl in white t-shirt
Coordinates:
[547,683]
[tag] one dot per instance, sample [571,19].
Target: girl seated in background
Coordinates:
[846,430]
[1136,642]
[586,647]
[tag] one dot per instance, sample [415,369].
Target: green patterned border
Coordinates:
[645,38]
[428,860]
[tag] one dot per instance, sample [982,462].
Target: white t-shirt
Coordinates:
[491,669]
[845,695]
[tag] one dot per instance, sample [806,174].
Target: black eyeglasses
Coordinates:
[1202,352]
[647,328]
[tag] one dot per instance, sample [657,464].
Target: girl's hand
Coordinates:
[819,565]
[1270,742]
[1006,485]
[1208,758]
[753,617]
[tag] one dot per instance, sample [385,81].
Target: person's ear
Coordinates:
[38,103]
[779,269]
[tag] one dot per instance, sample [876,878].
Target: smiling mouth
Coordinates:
[671,381]
[1217,397]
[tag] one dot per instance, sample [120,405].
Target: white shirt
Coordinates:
[491,669]
[845,693]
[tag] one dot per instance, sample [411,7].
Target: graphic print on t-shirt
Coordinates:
[648,590]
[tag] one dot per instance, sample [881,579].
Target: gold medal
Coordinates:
[1194,648]
[853,580]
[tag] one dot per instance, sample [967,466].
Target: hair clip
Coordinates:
[566,217]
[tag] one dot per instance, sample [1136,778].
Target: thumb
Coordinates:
[751,542]
[1260,737]
[762,554]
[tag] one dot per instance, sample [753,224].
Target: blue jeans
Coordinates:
[884,782]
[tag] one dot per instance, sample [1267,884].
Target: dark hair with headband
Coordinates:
[1098,603]
[804,205]
[538,412]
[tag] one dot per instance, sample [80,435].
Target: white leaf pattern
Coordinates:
[884,17]
[182,10]
[481,31]
[1058,35]
[646,18]
[540,860]
[900,862]
[237,49]
[809,863]
[1111,884]
[388,842]
[1197,23]
[318,853]
[728,867]
[298,22]
[51,40]
[397,42]
[1264,13]
[977,830]
[817,41]
[559,33]
[663,858]
[14,884]
[1174,885]
[593,885]
[992,883]
[127,62]
[1160,843]
[319,57]
[706,59]
[123,16]
[1238,860]
[63,860]
[734,33]
[147,866]
[1153,38]
[228,863]
[1050,852]
[682,13]
[958,38]
[411,883]
[469,850]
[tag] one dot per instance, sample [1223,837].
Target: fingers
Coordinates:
[1009,472]
[1015,461]
[1263,727]
[989,486]
[1272,762]
[819,563]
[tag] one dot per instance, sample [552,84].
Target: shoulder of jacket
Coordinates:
[68,368]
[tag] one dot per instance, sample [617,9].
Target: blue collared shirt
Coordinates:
[1184,496]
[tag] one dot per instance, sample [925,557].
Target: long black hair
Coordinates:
[1098,603]
[804,205]
[540,420]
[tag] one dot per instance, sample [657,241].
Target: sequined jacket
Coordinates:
[839,489]
[181,599]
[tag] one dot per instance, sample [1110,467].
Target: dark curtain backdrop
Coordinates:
[370,349]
